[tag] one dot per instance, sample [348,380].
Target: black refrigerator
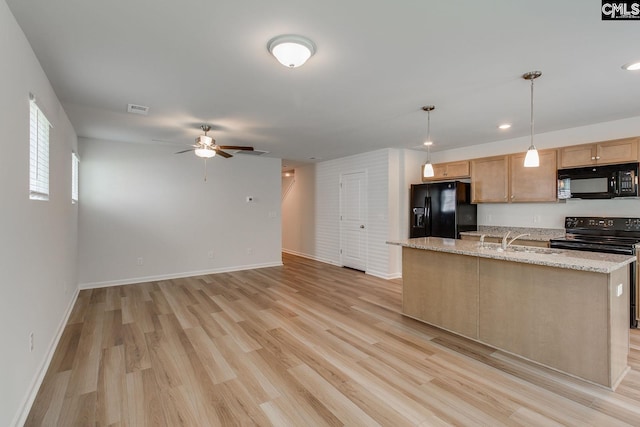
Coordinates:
[442,209]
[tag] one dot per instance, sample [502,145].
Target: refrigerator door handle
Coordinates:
[427,215]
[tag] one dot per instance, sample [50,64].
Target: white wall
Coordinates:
[38,243]
[548,215]
[311,210]
[298,212]
[143,201]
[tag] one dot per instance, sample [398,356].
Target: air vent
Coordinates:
[251,153]
[137,109]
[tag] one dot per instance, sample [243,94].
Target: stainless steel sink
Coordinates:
[533,250]
[523,249]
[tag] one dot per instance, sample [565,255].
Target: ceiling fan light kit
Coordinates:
[291,50]
[204,139]
[205,152]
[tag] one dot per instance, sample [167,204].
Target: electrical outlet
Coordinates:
[210,254]
[249,251]
[30,342]
[619,290]
[536,219]
[272,214]
[140,261]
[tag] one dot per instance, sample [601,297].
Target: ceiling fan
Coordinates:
[206,146]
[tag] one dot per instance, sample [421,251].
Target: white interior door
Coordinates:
[353,215]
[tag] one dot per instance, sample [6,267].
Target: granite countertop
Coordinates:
[540,234]
[561,258]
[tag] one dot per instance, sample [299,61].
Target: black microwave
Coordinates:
[598,182]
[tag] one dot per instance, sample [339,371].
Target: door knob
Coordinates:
[362,226]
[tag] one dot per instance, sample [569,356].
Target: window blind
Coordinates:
[38,153]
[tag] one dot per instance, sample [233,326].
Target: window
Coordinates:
[39,154]
[74,177]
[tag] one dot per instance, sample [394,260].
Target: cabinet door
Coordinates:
[534,184]
[439,172]
[451,170]
[617,151]
[458,169]
[489,180]
[578,155]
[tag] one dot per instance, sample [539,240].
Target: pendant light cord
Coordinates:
[532,112]
[429,136]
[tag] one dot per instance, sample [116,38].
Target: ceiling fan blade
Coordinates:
[184,151]
[236,147]
[222,153]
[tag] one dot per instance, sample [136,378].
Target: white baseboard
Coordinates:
[384,276]
[25,408]
[326,261]
[133,280]
[315,258]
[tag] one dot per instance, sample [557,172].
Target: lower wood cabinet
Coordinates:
[441,289]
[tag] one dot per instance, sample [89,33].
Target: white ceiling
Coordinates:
[377,63]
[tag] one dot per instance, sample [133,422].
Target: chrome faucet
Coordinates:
[505,245]
[482,240]
[504,241]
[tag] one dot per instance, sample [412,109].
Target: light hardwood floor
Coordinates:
[305,344]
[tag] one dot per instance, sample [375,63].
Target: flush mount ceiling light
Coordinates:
[632,66]
[427,171]
[532,160]
[504,126]
[291,50]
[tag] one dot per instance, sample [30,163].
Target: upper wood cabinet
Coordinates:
[504,179]
[607,152]
[490,180]
[534,184]
[449,170]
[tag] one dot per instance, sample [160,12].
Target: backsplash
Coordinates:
[551,215]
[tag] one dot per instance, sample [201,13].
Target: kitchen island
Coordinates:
[566,310]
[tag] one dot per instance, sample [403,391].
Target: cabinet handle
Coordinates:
[593,158]
[513,197]
[597,157]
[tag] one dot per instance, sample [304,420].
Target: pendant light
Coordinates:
[427,171]
[532,160]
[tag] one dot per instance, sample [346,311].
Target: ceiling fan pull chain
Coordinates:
[205,170]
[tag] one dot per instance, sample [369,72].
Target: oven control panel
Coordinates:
[602,223]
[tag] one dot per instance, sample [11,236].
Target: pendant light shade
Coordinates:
[291,50]
[532,160]
[427,170]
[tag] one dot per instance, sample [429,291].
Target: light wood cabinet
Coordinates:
[490,180]
[534,184]
[606,152]
[504,179]
[533,311]
[450,170]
